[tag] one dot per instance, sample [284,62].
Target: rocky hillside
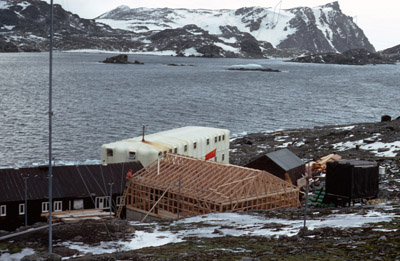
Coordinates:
[350,57]
[249,31]
[393,52]
[246,32]
[24,26]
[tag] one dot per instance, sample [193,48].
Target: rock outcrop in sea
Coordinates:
[350,57]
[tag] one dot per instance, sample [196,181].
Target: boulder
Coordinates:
[386,118]
[120,59]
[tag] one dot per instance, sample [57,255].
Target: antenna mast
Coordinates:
[50,127]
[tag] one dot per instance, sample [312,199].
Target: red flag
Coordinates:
[211,154]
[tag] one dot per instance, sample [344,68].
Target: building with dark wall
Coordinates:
[349,180]
[74,187]
[281,163]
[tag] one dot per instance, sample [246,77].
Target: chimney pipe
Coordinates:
[143,133]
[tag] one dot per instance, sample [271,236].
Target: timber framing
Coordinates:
[179,186]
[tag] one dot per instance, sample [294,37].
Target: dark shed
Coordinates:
[281,163]
[74,187]
[347,180]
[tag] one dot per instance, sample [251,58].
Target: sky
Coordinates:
[378,19]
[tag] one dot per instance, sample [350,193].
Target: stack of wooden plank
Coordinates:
[320,165]
[75,216]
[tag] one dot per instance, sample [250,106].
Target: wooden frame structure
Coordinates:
[179,186]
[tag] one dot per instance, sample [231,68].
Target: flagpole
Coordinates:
[50,128]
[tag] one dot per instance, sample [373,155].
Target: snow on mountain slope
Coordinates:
[152,19]
[319,29]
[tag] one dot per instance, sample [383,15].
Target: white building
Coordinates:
[198,142]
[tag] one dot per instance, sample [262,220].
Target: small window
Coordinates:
[118,201]
[219,138]
[194,145]
[165,153]
[175,150]
[78,204]
[223,137]
[102,202]
[45,207]
[223,157]
[3,210]
[132,155]
[160,154]
[57,206]
[208,141]
[109,153]
[216,139]
[21,209]
[215,158]
[185,149]
[170,151]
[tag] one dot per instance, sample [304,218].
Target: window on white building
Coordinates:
[132,155]
[3,210]
[21,209]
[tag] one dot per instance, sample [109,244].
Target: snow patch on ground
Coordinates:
[24,5]
[192,51]
[228,47]
[345,128]
[232,224]
[284,145]
[4,5]
[378,148]
[17,256]
[7,27]
[228,40]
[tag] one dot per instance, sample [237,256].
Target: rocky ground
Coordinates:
[349,57]
[377,241]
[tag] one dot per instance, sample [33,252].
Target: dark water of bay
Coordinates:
[96,103]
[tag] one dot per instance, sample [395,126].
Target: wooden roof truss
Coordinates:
[182,186]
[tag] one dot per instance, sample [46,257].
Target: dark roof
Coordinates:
[68,181]
[358,163]
[285,159]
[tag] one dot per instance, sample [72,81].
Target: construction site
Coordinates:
[179,186]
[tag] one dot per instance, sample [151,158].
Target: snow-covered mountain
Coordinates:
[24,26]
[319,29]
[245,32]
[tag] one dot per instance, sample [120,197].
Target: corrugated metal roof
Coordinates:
[68,181]
[286,159]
